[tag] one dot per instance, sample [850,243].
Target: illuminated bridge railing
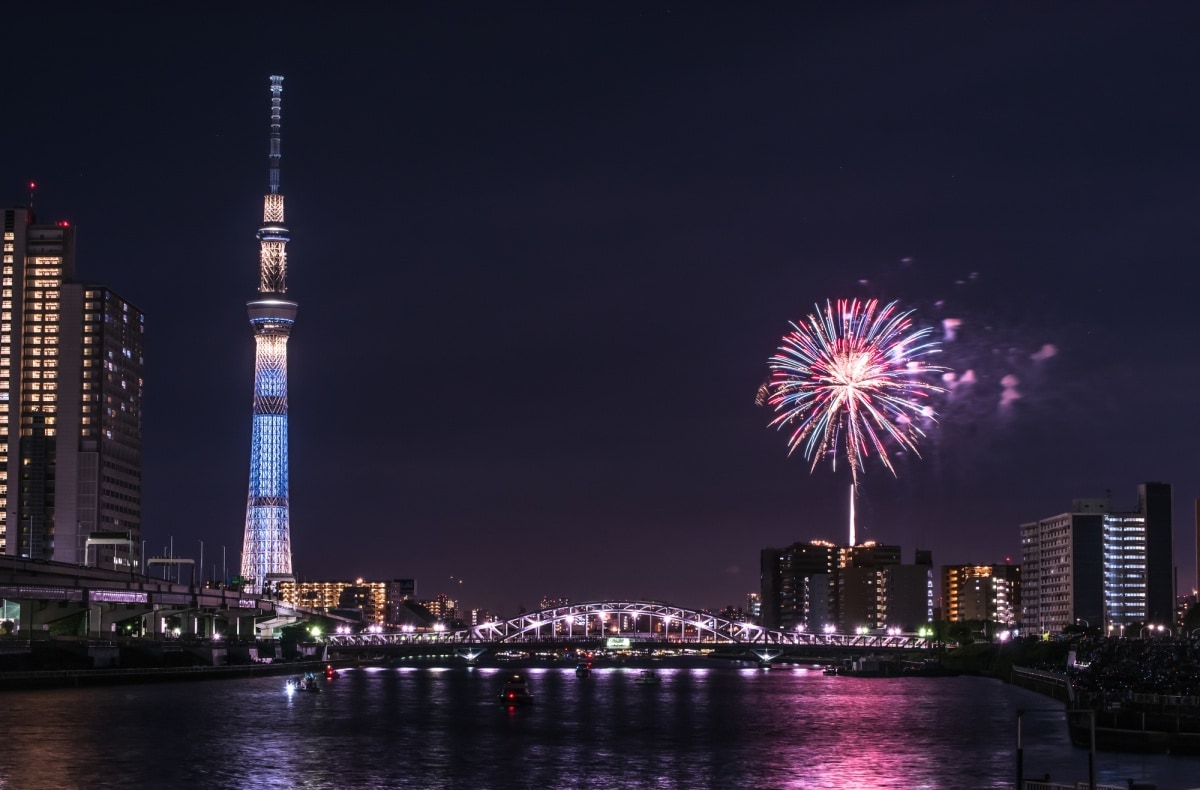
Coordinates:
[638,621]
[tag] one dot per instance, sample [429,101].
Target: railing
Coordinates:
[1042,784]
[1052,684]
[1164,702]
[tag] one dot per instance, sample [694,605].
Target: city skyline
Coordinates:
[547,255]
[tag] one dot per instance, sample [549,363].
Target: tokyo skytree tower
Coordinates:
[267,545]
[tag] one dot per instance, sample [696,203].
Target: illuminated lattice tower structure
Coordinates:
[267,545]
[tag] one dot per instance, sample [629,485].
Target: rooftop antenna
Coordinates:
[32,186]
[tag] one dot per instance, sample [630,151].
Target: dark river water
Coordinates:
[718,726]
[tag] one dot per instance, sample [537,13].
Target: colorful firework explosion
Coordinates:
[853,376]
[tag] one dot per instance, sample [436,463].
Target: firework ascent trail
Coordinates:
[853,376]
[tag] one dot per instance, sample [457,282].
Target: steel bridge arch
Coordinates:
[693,626]
[600,619]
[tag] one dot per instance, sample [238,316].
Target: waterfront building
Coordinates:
[371,602]
[860,597]
[267,541]
[442,607]
[71,385]
[908,594]
[553,603]
[985,593]
[788,591]
[479,616]
[754,607]
[1099,568]
[822,602]
[817,585]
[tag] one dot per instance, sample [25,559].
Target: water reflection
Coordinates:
[416,727]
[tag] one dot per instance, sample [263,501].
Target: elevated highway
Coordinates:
[46,593]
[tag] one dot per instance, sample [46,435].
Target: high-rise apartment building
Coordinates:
[861,591]
[986,593]
[1099,568]
[789,592]
[70,405]
[754,607]
[817,585]
[376,603]
[908,594]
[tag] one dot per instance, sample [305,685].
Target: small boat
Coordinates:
[515,692]
[583,669]
[647,677]
[829,670]
[306,682]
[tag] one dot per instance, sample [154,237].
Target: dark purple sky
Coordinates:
[543,254]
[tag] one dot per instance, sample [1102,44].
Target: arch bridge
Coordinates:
[638,621]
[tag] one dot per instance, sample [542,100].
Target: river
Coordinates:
[711,725]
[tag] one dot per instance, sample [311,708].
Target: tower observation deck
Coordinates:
[267,545]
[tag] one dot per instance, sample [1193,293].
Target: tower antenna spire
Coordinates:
[273,235]
[275,155]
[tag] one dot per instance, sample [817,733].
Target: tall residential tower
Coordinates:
[1097,568]
[267,545]
[70,405]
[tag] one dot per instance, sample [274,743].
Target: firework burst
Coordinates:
[853,377]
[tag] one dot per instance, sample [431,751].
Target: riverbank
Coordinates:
[1139,723]
[72,678]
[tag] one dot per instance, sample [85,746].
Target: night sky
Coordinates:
[542,253]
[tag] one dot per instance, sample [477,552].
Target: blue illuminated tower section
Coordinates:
[267,545]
